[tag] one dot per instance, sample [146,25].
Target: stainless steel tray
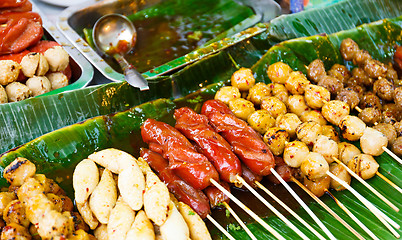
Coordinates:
[75,18]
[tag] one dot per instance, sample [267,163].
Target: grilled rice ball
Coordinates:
[17,91]
[317,186]
[316,95]
[279,72]
[274,106]
[372,142]
[314,116]
[388,130]
[363,165]
[370,115]
[349,96]
[9,71]
[297,105]
[289,122]
[316,70]
[3,95]
[241,108]
[276,139]
[295,153]
[397,146]
[352,128]
[258,92]
[261,120]
[346,151]
[334,111]
[348,49]
[296,83]
[308,132]
[39,85]
[227,93]
[243,79]
[314,166]
[340,172]
[384,89]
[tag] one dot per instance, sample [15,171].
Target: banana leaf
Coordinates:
[57,153]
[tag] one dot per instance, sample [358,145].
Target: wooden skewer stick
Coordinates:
[366,185]
[389,181]
[268,205]
[317,234]
[233,213]
[352,216]
[325,206]
[218,226]
[246,209]
[300,201]
[381,216]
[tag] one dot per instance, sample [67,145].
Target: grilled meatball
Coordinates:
[329,131]
[39,85]
[340,72]
[317,186]
[384,89]
[370,116]
[279,91]
[398,128]
[274,106]
[352,128]
[347,151]
[314,116]
[316,70]
[392,74]
[34,64]
[57,58]
[315,96]
[297,105]
[361,57]
[398,97]
[361,77]
[276,139]
[15,213]
[370,100]
[241,107]
[289,122]
[17,172]
[57,80]
[372,142]
[261,120]
[397,146]
[308,132]
[314,166]
[393,110]
[349,96]
[341,173]
[334,85]
[334,111]
[363,165]
[326,147]
[258,92]
[388,130]
[227,93]
[17,91]
[375,68]
[279,72]
[9,71]
[348,49]
[295,152]
[243,79]
[296,82]
[3,95]
[15,231]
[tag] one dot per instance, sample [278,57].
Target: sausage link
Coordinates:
[216,196]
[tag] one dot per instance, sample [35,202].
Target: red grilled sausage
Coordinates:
[216,196]
[196,199]
[245,142]
[250,177]
[196,128]
[184,160]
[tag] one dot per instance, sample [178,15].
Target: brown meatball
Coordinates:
[398,128]
[349,96]
[398,97]
[397,146]
[370,100]
[392,110]
[370,116]
[388,130]
[362,77]
[339,71]
[361,57]
[384,89]
[316,70]
[348,49]
[333,84]
[375,68]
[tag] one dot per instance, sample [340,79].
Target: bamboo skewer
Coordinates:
[233,213]
[317,234]
[389,181]
[381,216]
[352,216]
[276,212]
[330,211]
[246,209]
[218,226]
[367,185]
[300,201]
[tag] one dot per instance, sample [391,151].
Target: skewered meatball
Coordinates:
[57,80]
[276,139]
[294,154]
[398,97]
[261,120]
[3,95]
[361,77]
[279,91]
[332,84]
[361,57]
[334,111]
[279,72]
[274,106]
[17,91]
[375,68]
[243,79]
[15,231]
[329,131]
[9,71]
[363,165]
[384,89]
[370,116]
[57,58]
[316,70]
[352,128]
[38,85]
[227,93]
[242,108]
[15,213]
[289,122]
[326,147]
[348,96]
[340,72]
[317,186]
[347,151]
[314,116]
[34,64]
[348,49]
[297,105]
[341,173]
[258,92]
[397,146]
[373,141]
[308,132]
[388,130]
[314,166]
[398,128]
[370,100]
[316,95]
[18,171]
[296,83]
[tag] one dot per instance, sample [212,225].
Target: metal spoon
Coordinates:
[115,35]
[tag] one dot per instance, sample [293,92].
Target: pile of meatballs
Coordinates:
[372,88]
[38,72]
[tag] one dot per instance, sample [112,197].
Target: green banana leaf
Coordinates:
[57,153]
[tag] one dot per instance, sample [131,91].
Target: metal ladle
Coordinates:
[115,35]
